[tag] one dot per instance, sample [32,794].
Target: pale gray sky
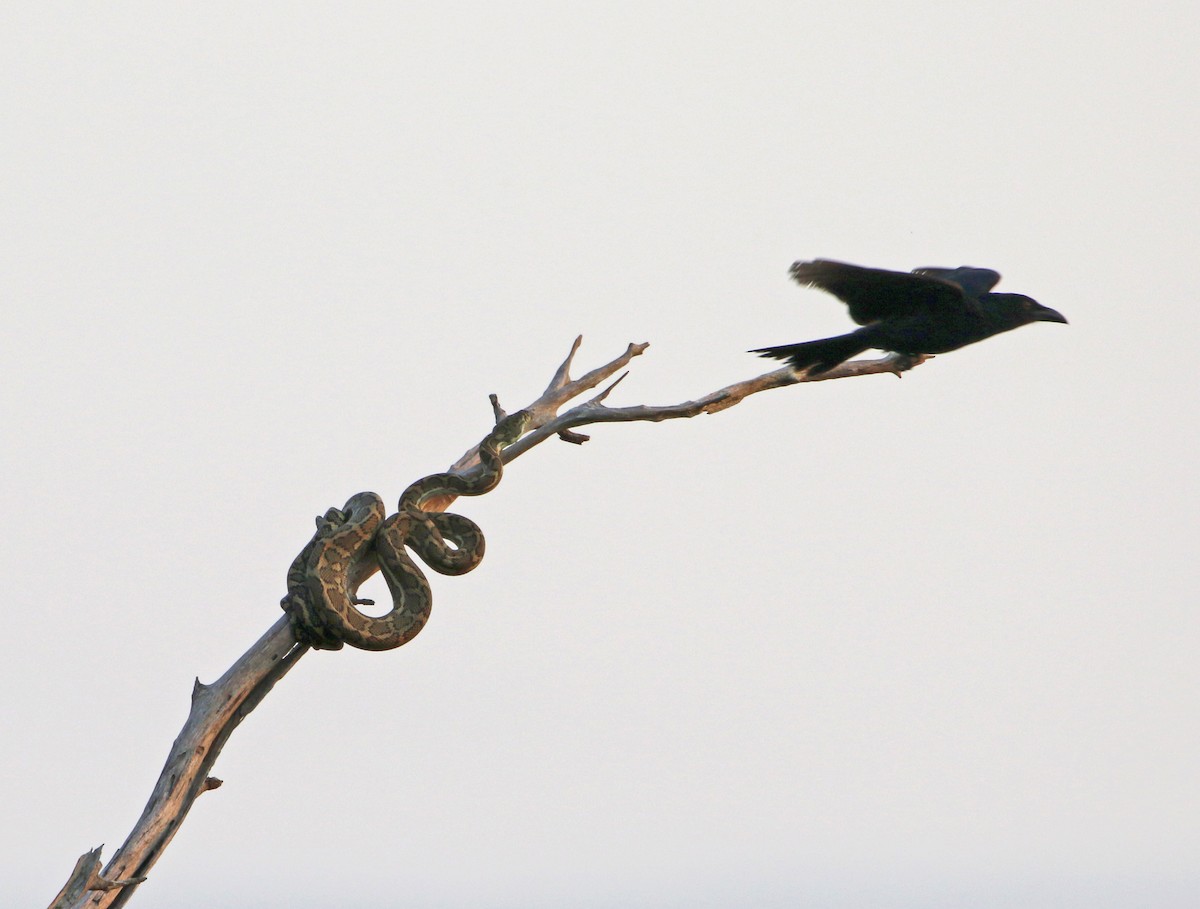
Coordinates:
[869,643]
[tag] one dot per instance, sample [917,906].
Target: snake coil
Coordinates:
[354,541]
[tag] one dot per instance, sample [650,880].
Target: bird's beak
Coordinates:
[1046,314]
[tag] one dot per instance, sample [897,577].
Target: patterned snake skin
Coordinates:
[355,540]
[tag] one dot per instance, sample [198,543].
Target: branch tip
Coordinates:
[562,375]
[497,410]
[605,393]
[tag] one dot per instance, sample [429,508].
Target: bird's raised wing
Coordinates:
[874,294]
[974,281]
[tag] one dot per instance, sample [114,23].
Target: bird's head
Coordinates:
[1019,309]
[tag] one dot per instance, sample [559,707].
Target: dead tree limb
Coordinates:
[218,709]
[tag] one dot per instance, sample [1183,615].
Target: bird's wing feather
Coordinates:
[975,281]
[873,294]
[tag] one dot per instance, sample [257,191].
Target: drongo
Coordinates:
[926,311]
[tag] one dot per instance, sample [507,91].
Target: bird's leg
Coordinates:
[901,363]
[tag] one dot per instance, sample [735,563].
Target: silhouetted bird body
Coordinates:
[926,311]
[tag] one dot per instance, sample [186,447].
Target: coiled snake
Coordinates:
[355,540]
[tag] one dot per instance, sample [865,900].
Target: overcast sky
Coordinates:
[866,643]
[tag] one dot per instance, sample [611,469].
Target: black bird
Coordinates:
[926,311]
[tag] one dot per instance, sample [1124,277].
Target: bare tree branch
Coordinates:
[547,421]
[218,709]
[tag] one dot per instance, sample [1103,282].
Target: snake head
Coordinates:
[512,427]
